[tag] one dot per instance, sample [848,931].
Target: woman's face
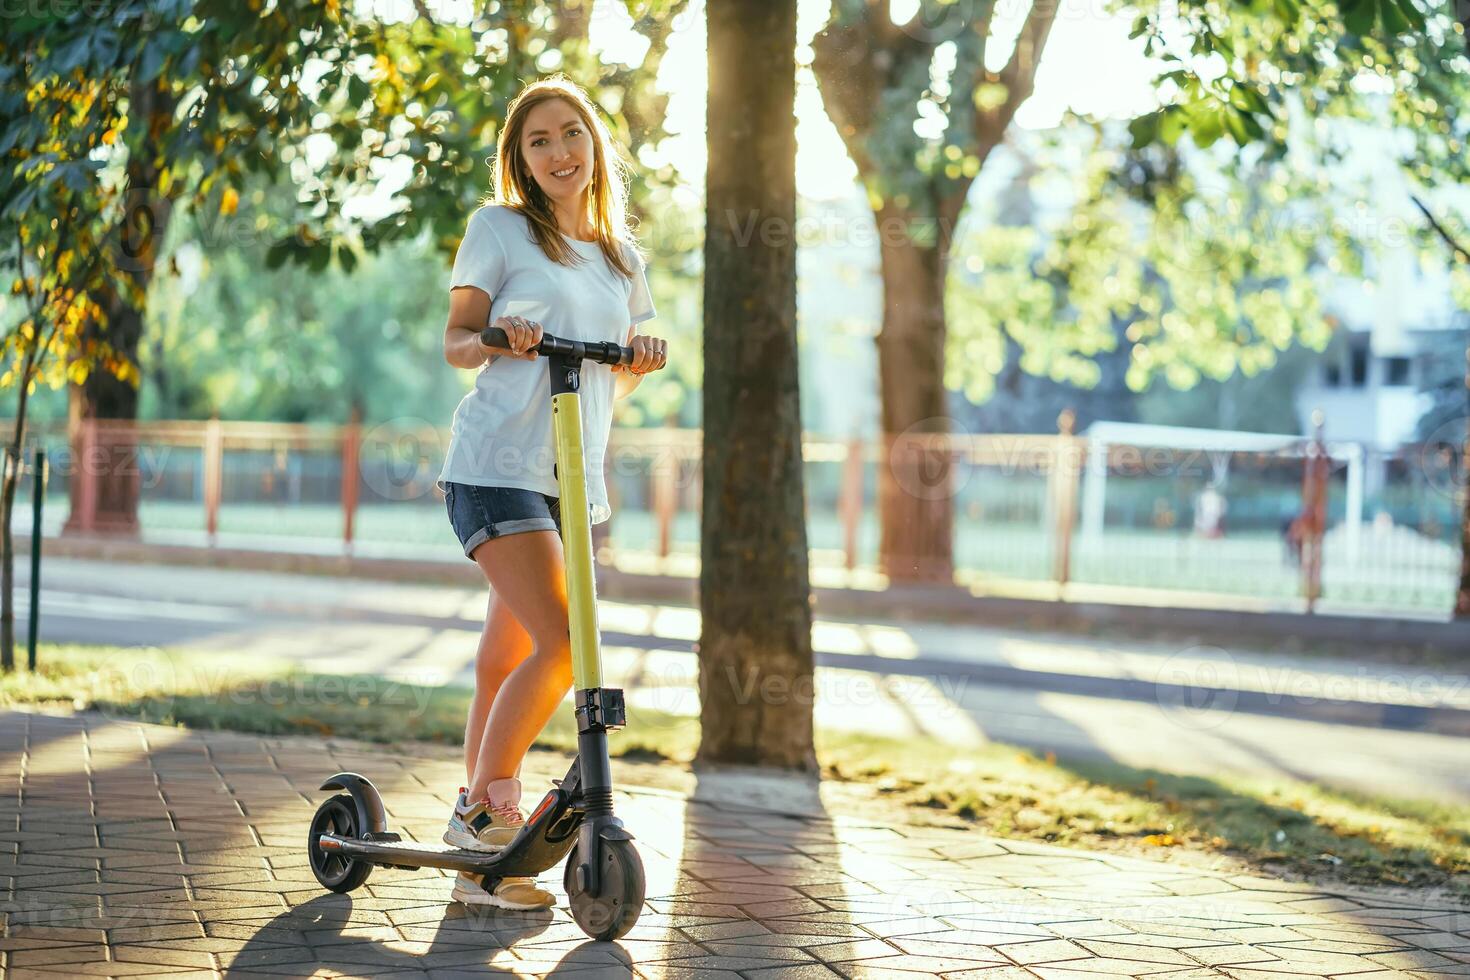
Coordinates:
[558,150]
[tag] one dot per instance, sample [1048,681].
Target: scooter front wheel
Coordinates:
[337,872]
[612,913]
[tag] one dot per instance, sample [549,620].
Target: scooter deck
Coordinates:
[427,854]
[417,854]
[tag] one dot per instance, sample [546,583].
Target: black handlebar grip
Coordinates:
[494,337]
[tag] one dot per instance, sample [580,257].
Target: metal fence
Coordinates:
[1056,515]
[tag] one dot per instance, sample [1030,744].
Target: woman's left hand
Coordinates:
[649,354]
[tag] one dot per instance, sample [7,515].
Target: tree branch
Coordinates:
[858,57]
[1019,74]
[1461,252]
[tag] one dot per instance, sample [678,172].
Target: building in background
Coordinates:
[1369,384]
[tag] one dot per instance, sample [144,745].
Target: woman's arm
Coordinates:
[469,312]
[624,383]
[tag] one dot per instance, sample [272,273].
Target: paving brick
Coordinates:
[1419,959]
[1042,951]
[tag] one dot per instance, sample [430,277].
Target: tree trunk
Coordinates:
[1460,253]
[13,456]
[109,463]
[7,559]
[109,460]
[872,72]
[914,487]
[1462,594]
[755,655]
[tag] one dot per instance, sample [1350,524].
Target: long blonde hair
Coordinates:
[608,191]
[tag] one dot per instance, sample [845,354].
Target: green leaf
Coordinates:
[1145,130]
[1413,14]
[318,257]
[277,254]
[358,90]
[1359,16]
[151,64]
[1207,126]
[1173,126]
[1394,21]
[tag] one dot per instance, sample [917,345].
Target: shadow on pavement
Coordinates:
[461,939]
[759,874]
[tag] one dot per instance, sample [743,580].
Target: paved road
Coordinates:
[1199,710]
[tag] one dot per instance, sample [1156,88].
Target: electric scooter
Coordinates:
[604,875]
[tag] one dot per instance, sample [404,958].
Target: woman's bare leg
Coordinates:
[503,645]
[527,572]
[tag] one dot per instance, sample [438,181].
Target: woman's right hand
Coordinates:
[523,336]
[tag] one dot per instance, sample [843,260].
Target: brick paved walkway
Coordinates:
[134,850]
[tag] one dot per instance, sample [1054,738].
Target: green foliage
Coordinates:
[124,119]
[114,115]
[1205,274]
[1260,402]
[230,336]
[1253,71]
[1205,261]
[918,128]
[1237,69]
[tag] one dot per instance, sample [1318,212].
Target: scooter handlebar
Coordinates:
[604,352]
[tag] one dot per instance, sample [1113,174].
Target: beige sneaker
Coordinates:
[512,893]
[490,824]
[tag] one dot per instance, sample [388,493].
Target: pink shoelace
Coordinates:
[509,812]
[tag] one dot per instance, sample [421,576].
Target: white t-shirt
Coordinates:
[501,435]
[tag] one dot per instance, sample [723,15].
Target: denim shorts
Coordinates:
[481,513]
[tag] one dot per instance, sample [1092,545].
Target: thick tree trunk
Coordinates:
[868,68]
[1461,253]
[914,486]
[1462,594]
[108,458]
[755,655]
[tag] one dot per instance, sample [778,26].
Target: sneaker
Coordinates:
[520,894]
[486,825]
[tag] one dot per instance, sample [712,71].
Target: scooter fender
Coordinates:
[371,817]
[589,849]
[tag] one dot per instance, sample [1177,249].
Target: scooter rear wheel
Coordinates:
[611,914]
[337,872]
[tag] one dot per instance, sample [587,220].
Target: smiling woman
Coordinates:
[552,250]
